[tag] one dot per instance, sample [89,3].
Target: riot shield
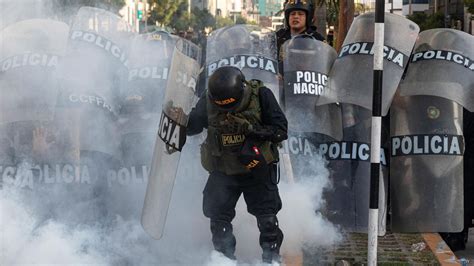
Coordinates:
[141,99]
[306,66]
[352,72]
[248,47]
[449,56]
[88,103]
[30,53]
[347,200]
[97,55]
[427,136]
[179,97]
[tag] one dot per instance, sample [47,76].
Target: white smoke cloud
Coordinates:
[85,220]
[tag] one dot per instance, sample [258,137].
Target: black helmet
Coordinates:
[305,5]
[226,87]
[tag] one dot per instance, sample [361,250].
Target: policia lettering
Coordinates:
[337,150]
[171,132]
[444,55]
[367,48]
[29,59]
[226,134]
[306,82]
[244,61]
[102,43]
[427,145]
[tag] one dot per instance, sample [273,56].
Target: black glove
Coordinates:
[267,133]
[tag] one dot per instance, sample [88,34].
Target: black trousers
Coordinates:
[222,192]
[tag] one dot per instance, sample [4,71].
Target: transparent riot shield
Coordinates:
[171,136]
[97,56]
[347,200]
[88,103]
[29,56]
[352,72]
[30,52]
[448,54]
[248,47]
[439,67]
[426,165]
[142,94]
[306,66]
[427,136]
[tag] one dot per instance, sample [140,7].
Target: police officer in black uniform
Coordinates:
[244,125]
[298,19]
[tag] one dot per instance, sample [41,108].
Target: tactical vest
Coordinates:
[225,134]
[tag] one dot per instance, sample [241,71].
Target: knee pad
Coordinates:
[267,223]
[271,236]
[221,228]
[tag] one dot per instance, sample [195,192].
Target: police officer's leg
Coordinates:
[263,201]
[219,199]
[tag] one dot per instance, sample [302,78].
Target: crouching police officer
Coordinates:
[244,125]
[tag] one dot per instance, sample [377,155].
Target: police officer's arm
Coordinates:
[275,125]
[198,117]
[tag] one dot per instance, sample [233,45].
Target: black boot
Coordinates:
[222,238]
[455,241]
[271,238]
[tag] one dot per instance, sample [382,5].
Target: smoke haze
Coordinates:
[79,203]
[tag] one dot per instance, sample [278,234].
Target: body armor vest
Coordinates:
[225,134]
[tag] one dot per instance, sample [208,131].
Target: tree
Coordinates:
[427,22]
[470,5]
[345,18]
[162,11]
[340,14]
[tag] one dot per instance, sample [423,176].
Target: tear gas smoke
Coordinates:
[80,202]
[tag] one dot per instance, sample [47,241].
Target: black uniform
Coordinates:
[285,34]
[260,190]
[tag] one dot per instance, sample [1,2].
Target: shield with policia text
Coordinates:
[171,136]
[29,54]
[427,134]
[352,72]
[88,102]
[306,64]
[250,48]
[351,85]
[141,97]
[97,56]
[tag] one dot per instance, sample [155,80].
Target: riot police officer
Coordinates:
[244,125]
[298,19]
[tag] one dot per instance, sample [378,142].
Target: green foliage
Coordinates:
[427,22]
[470,5]
[163,11]
[223,22]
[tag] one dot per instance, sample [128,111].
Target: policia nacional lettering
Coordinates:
[446,56]
[367,48]
[244,61]
[304,82]
[427,145]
